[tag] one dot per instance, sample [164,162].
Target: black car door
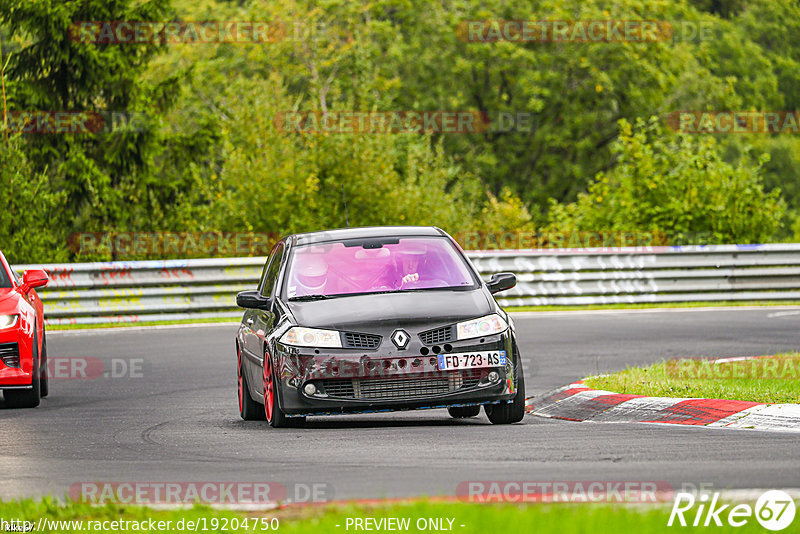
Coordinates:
[259,323]
[251,346]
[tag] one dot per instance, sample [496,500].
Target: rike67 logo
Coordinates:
[774,510]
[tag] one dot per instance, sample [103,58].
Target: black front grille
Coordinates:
[401,388]
[438,335]
[339,388]
[9,353]
[353,340]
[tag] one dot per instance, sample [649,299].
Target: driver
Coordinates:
[411,261]
[312,276]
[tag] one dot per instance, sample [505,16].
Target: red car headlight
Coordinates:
[7,321]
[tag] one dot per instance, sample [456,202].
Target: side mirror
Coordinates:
[501,281]
[253,300]
[33,278]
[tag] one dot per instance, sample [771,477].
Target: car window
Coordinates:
[273,270]
[377,266]
[5,282]
[263,279]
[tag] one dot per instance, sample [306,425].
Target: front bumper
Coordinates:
[13,377]
[386,379]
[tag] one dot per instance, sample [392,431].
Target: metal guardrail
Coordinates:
[135,291]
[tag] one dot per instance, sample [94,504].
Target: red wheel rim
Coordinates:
[239,378]
[269,390]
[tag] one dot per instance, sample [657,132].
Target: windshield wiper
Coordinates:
[306,298]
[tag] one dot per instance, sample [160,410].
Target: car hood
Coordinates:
[407,308]
[9,299]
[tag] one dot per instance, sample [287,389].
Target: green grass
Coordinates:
[143,323]
[771,379]
[476,518]
[650,305]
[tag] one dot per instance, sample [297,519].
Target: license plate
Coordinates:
[471,360]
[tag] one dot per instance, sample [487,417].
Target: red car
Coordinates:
[23,349]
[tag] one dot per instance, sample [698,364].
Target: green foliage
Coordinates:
[572,94]
[284,183]
[26,207]
[54,71]
[506,213]
[796,226]
[674,187]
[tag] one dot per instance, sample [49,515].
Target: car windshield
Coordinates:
[4,280]
[376,266]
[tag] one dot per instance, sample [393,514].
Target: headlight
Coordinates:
[299,336]
[7,321]
[484,326]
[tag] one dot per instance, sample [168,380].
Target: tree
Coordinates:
[27,209]
[284,182]
[678,187]
[55,71]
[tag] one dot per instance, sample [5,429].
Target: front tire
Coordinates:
[272,405]
[249,410]
[509,412]
[27,398]
[44,382]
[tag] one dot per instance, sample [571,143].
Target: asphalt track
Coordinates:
[177,420]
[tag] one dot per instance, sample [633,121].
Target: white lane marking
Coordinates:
[783,314]
[732,419]
[773,417]
[736,359]
[765,417]
[568,403]
[527,314]
[115,329]
[637,410]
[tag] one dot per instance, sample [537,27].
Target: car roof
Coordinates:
[366,232]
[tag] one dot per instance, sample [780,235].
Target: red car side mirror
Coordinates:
[34,278]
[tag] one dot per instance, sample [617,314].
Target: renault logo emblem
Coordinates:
[400,338]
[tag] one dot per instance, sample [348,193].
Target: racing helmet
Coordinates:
[311,275]
[413,254]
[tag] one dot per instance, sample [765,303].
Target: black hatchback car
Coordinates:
[363,320]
